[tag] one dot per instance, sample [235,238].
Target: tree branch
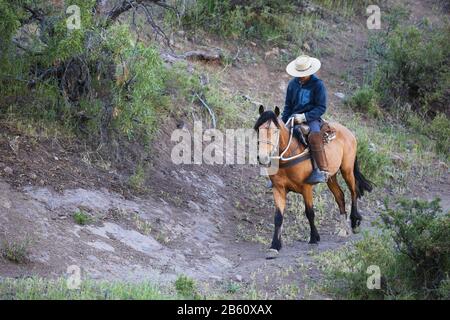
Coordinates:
[157,29]
[126,5]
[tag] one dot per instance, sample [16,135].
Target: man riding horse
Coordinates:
[306,101]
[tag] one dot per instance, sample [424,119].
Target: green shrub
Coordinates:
[274,22]
[126,84]
[16,251]
[437,129]
[185,287]
[411,251]
[411,76]
[373,162]
[248,18]
[81,217]
[139,103]
[365,100]
[413,69]
[136,181]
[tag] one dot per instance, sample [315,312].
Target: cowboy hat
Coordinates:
[303,66]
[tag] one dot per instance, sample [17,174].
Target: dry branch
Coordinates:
[214,56]
[126,5]
[205,105]
[199,55]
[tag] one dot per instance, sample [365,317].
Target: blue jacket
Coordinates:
[309,98]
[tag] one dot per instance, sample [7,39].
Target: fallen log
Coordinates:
[211,56]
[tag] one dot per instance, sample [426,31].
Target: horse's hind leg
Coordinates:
[309,211]
[350,180]
[338,194]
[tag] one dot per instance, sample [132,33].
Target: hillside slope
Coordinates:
[211,223]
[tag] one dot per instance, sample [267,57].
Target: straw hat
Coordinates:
[303,66]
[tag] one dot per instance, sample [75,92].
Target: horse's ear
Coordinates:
[261,109]
[277,111]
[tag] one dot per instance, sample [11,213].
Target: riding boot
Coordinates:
[319,159]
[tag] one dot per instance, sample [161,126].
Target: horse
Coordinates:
[275,139]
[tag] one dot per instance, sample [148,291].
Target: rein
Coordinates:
[298,157]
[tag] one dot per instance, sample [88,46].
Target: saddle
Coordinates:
[327,131]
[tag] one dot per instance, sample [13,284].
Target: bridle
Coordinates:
[276,145]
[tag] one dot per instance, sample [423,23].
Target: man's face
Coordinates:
[304,79]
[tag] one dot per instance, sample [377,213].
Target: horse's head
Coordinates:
[267,126]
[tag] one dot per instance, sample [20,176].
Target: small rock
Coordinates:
[398,159]
[33,176]
[340,95]
[306,46]
[14,144]
[443,164]
[8,170]
[239,277]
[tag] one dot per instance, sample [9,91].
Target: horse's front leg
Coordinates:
[279,195]
[309,211]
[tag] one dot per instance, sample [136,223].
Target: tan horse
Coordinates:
[274,138]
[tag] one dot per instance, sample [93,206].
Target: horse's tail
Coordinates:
[362,184]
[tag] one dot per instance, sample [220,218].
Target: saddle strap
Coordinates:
[290,163]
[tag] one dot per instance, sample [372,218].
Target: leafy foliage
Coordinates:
[365,100]
[185,287]
[92,80]
[414,69]
[81,217]
[373,162]
[411,77]
[16,251]
[273,22]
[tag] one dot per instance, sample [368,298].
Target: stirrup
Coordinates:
[317,176]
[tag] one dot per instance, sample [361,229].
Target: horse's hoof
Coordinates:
[272,254]
[313,241]
[356,230]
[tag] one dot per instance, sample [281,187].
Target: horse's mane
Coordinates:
[299,136]
[266,116]
[271,116]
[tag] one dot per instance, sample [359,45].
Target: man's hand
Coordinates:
[299,118]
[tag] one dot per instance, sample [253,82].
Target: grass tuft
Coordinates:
[82,218]
[16,251]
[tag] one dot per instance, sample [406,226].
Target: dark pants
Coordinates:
[315,125]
